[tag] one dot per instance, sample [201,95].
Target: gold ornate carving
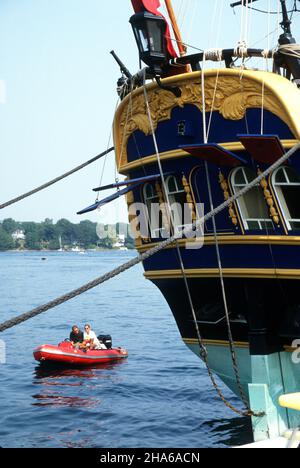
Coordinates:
[162,203]
[231,99]
[225,188]
[132,218]
[189,198]
[269,199]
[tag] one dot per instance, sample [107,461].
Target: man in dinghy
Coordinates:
[76,337]
[90,339]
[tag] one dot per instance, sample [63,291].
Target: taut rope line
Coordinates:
[202,348]
[232,347]
[57,179]
[140,258]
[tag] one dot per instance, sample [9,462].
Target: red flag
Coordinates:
[152,6]
[149,5]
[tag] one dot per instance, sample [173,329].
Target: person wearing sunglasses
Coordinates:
[91,340]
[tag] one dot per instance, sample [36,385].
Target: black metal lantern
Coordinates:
[149,31]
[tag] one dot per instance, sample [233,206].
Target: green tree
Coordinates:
[32,241]
[9,225]
[67,231]
[53,245]
[107,243]
[48,231]
[86,233]
[6,241]
[33,237]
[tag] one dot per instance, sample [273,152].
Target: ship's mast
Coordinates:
[181,47]
[288,56]
[286,22]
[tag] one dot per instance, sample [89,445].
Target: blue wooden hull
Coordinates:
[258,237]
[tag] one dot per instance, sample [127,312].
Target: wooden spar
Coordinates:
[181,47]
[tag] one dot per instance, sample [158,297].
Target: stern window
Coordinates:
[177,198]
[154,215]
[252,206]
[286,183]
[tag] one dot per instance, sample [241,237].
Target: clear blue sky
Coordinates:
[60,94]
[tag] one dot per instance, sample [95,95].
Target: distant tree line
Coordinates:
[52,236]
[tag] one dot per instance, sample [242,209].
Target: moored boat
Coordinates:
[66,354]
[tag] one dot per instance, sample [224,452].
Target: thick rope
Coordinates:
[54,181]
[292,50]
[247,411]
[225,303]
[202,348]
[140,258]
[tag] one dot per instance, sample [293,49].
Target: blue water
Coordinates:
[160,397]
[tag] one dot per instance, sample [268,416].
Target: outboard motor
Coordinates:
[106,340]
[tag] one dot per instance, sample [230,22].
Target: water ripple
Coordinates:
[160,397]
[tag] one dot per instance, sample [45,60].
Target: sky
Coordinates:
[58,90]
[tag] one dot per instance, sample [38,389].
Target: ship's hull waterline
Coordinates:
[280,375]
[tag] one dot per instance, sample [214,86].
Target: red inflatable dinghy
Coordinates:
[66,354]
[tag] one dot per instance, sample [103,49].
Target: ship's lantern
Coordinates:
[149,31]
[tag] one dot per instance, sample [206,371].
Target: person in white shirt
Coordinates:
[90,338]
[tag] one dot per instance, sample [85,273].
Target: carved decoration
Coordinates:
[232,98]
[225,188]
[189,198]
[270,200]
[162,203]
[132,217]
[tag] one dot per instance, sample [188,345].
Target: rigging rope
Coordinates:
[292,50]
[148,254]
[225,303]
[202,347]
[105,160]
[153,251]
[54,181]
[126,266]
[218,254]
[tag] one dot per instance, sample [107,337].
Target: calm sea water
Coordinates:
[160,397]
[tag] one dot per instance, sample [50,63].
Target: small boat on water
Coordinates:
[66,354]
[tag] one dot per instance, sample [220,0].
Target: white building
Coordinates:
[120,243]
[18,235]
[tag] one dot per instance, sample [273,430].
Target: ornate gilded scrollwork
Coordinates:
[225,188]
[269,199]
[189,198]
[231,99]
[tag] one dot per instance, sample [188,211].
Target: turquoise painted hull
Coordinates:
[264,380]
[219,359]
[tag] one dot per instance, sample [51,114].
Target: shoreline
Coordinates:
[64,251]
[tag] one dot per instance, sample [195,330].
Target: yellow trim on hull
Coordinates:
[193,341]
[238,344]
[177,154]
[260,273]
[229,239]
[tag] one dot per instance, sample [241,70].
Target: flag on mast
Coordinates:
[150,5]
